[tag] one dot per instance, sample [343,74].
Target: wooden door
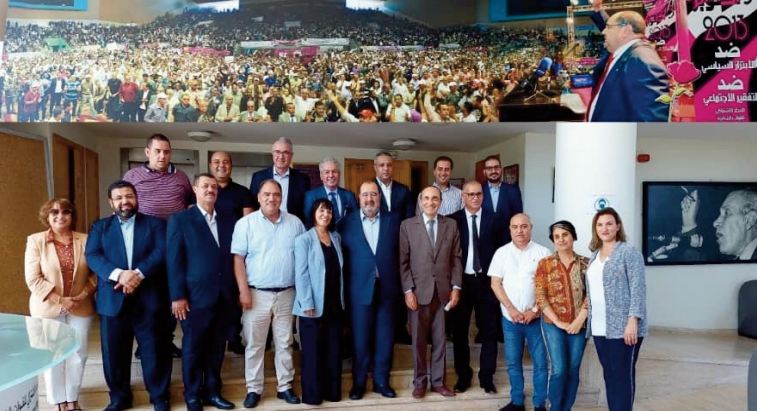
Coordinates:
[76,177]
[357,171]
[23,186]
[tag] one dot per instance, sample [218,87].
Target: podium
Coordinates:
[29,347]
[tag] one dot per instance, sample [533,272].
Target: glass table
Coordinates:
[29,346]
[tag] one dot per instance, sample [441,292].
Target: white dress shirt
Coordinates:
[515,268]
[386,192]
[210,219]
[469,261]
[283,180]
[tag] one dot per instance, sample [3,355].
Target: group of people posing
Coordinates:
[375,263]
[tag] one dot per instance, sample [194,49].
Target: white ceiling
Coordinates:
[468,138]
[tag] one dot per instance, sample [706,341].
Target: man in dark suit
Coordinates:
[370,243]
[201,284]
[293,183]
[395,196]
[127,252]
[396,199]
[342,201]
[481,233]
[431,273]
[499,197]
[629,79]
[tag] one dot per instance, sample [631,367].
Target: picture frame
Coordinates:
[510,174]
[691,222]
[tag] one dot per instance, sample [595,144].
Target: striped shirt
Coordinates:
[160,193]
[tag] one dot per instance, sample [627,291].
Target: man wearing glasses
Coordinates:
[631,77]
[293,183]
[499,197]
[481,234]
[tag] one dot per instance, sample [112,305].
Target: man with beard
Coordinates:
[501,198]
[127,252]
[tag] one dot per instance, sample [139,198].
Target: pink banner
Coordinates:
[207,51]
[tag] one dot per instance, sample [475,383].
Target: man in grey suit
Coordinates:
[431,274]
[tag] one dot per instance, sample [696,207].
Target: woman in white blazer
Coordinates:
[319,302]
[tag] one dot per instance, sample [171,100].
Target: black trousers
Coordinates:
[476,295]
[320,340]
[203,347]
[619,368]
[150,327]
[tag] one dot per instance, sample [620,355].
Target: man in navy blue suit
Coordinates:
[629,80]
[370,242]
[395,199]
[342,201]
[499,197]
[395,196]
[127,252]
[201,284]
[293,183]
[481,234]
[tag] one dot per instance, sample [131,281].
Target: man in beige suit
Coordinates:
[431,274]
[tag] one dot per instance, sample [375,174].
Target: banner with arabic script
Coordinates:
[724,50]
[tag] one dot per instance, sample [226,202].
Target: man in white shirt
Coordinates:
[512,279]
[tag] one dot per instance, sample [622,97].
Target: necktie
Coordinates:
[335,206]
[476,258]
[431,235]
[601,80]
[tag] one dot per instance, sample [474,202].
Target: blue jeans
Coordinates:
[516,336]
[565,354]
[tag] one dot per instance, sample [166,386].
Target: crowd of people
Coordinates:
[454,74]
[230,263]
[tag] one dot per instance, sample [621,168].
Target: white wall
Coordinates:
[110,165]
[696,296]
[538,184]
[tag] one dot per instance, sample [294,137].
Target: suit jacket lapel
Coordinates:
[140,232]
[78,247]
[114,233]
[200,219]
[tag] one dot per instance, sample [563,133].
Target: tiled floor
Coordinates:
[676,371]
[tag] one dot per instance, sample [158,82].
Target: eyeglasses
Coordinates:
[282,153]
[474,195]
[55,211]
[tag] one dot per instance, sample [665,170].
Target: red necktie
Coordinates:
[601,80]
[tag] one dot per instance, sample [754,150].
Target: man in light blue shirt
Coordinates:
[263,248]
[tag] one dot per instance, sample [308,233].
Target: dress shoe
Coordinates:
[357,392]
[513,407]
[219,402]
[444,391]
[385,390]
[251,400]
[288,396]
[117,406]
[419,392]
[542,408]
[236,347]
[489,388]
[161,406]
[194,404]
[462,385]
[175,351]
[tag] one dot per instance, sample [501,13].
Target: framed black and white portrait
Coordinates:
[699,222]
